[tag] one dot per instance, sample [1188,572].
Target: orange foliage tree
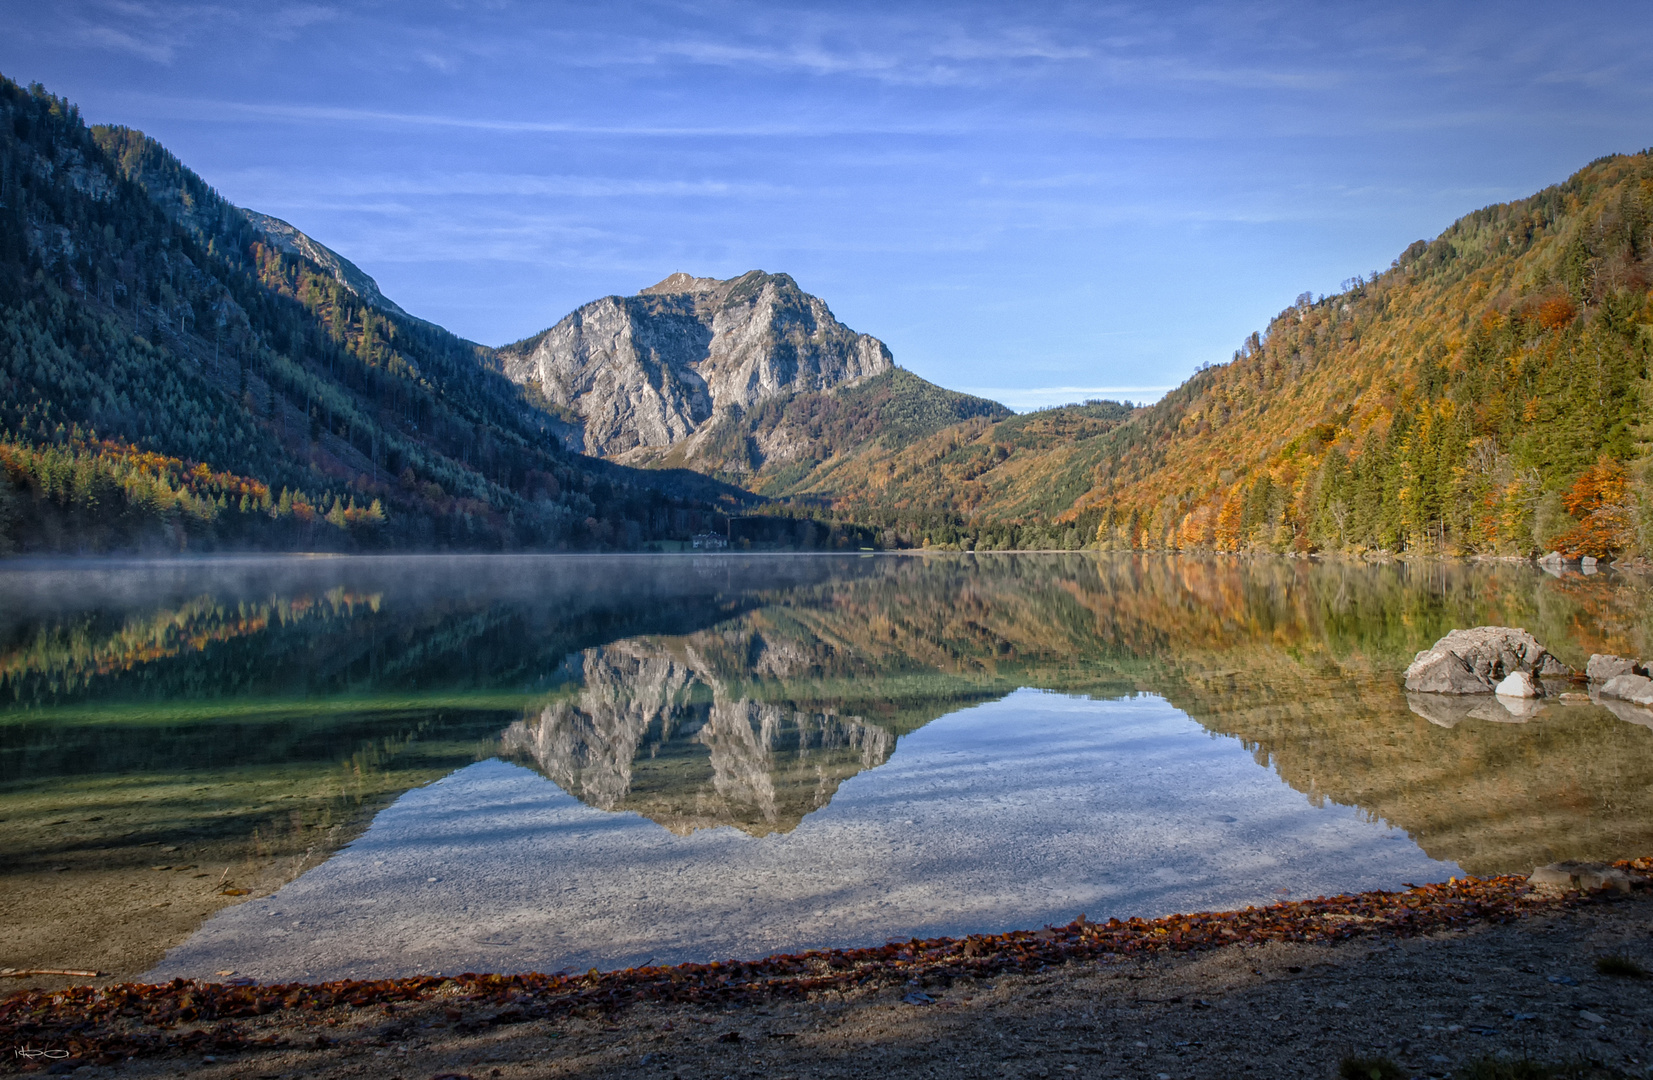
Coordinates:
[1597,503]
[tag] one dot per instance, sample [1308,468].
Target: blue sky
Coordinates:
[1041,202]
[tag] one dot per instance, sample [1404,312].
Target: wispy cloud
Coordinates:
[161,32]
[341,190]
[208,109]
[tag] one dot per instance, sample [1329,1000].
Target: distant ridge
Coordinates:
[347,273]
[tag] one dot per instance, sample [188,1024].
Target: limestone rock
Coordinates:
[1474,661]
[1603,666]
[1550,667]
[1438,671]
[655,369]
[1551,561]
[1637,689]
[1518,684]
[1586,876]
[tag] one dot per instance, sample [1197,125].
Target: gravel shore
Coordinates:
[1433,1004]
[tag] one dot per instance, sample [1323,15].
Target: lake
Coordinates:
[317,768]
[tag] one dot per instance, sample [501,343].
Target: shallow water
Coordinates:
[566,762]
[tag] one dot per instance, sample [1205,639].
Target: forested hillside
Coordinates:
[172,376]
[994,482]
[785,444]
[1488,394]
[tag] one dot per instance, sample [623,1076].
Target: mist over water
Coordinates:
[505,763]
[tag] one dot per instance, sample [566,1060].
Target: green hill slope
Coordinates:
[787,445]
[1487,394]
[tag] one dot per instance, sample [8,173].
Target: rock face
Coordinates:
[654,369]
[1475,661]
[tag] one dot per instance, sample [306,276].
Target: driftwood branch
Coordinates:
[8,973]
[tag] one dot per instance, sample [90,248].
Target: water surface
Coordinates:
[564,762]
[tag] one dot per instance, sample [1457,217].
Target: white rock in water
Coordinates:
[1517,684]
[1637,689]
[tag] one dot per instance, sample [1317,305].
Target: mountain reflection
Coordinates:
[657,731]
[744,691]
[756,721]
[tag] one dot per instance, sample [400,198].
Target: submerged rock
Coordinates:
[1474,661]
[1630,714]
[1637,689]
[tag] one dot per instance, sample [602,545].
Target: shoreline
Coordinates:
[137,1027]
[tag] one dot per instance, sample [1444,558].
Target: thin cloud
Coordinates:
[206,109]
[107,37]
[159,33]
[342,188]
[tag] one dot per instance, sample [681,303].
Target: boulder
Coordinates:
[1604,666]
[1551,561]
[1474,661]
[1586,876]
[1552,668]
[1518,684]
[1437,671]
[1636,689]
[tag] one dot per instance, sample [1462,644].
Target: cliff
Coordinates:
[652,370]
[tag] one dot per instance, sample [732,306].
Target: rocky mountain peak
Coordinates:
[655,369]
[681,283]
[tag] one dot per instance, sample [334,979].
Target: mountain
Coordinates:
[642,373]
[744,379]
[285,237]
[1488,394]
[177,372]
